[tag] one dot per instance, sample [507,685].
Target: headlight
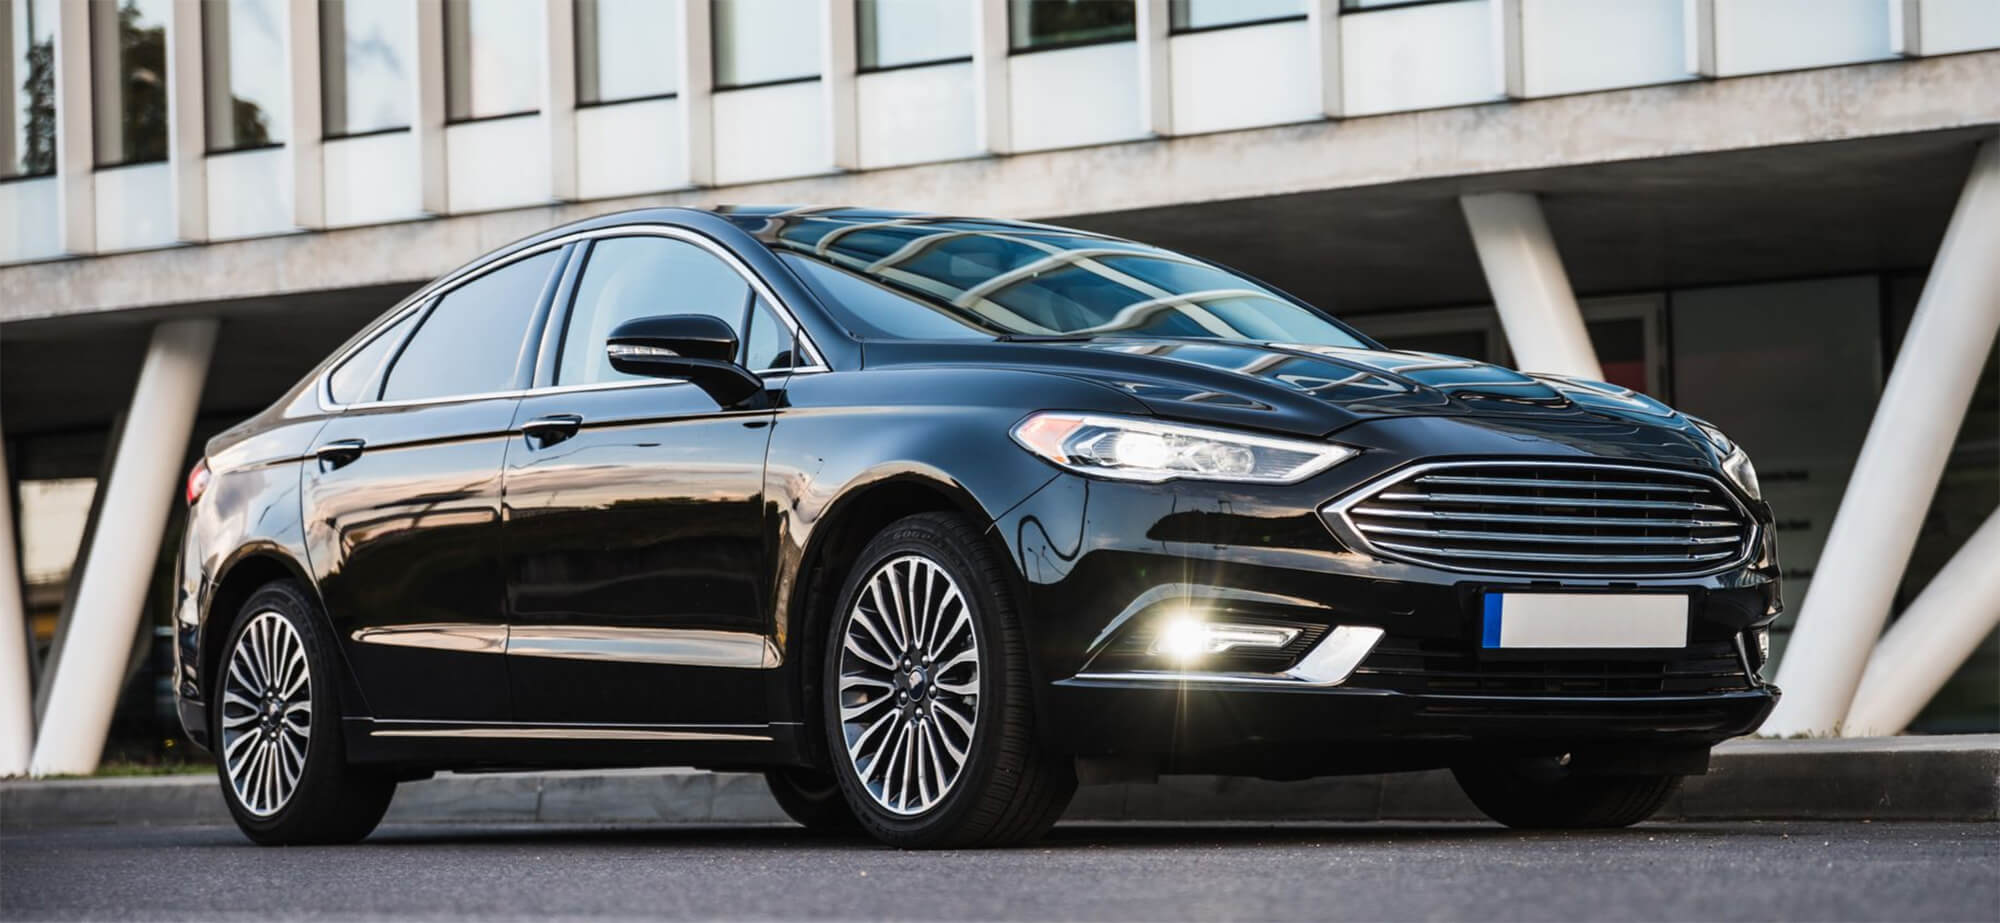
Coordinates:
[1735,462]
[1134,449]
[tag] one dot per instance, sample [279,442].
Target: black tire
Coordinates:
[1542,794]
[331,802]
[813,799]
[1010,789]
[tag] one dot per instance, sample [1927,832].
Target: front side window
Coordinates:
[28,88]
[367,63]
[244,75]
[901,33]
[128,80]
[626,278]
[627,49]
[490,58]
[470,343]
[1211,14]
[1037,24]
[764,41]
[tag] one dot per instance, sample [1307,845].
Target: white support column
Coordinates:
[145,470]
[1525,274]
[187,125]
[1698,40]
[1508,48]
[76,158]
[559,96]
[1323,24]
[990,48]
[17,699]
[308,129]
[1909,440]
[837,66]
[697,94]
[1931,639]
[427,111]
[1153,26]
[1906,28]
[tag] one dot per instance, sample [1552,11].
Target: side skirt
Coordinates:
[482,745]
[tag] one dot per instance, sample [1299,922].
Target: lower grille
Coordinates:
[1453,668]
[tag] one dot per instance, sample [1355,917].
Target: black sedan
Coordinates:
[928,518]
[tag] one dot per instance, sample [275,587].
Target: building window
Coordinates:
[1191,15]
[491,58]
[244,78]
[903,33]
[1036,25]
[367,54]
[765,41]
[627,49]
[28,89]
[128,80]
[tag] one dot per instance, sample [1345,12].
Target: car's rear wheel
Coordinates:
[927,704]
[1544,793]
[275,722]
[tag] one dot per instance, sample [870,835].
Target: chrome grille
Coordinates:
[1564,519]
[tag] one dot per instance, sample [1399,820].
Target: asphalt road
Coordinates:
[1808,871]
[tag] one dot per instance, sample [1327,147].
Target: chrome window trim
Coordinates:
[1335,516]
[323,388]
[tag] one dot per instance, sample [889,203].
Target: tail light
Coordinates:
[197,482]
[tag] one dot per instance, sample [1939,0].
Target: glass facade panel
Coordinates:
[128,80]
[1033,24]
[367,61]
[491,58]
[627,49]
[28,88]
[1209,14]
[764,41]
[244,75]
[899,33]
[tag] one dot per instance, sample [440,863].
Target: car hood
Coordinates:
[1319,390]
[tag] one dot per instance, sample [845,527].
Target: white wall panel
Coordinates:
[1574,46]
[1074,96]
[629,148]
[371,179]
[1959,25]
[1243,77]
[771,132]
[135,206]
[917,115]
[250,193]
[497,163]
[30,225]
[1756,36]
[1419,57]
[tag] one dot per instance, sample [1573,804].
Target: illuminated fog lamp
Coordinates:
[1186,637]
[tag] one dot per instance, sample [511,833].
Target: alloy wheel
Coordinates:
[909,684]
[266,720]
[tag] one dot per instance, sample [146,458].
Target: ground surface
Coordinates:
[1806,871]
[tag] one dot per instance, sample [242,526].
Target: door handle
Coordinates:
[549,430]
[338,453]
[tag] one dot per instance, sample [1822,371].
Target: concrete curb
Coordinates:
[1894,778]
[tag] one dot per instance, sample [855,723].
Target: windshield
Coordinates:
[951,278]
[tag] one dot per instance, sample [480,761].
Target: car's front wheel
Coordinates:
[1544,793]
[928,708]
[275,722]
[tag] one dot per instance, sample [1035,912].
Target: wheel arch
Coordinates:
[246,571]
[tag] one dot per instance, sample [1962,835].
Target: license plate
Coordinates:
[1584,620]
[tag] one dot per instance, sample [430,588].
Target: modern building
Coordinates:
[1738,206]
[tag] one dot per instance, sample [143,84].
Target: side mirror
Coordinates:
[696,347]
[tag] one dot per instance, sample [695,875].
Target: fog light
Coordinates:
[1187,637]
[1763,646]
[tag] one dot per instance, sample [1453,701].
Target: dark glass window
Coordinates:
[1036,24]
[632,277]
[471,342]
[128,80]
[490,54]
[900,33]
[367,65]
[354,379]
[626,49]
[1210,14]
[769,345]
[244,74]
[28,88]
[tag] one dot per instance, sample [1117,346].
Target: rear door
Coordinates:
[402,501]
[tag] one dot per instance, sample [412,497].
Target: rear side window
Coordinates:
[354,380]
[632,277]
[471,342]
